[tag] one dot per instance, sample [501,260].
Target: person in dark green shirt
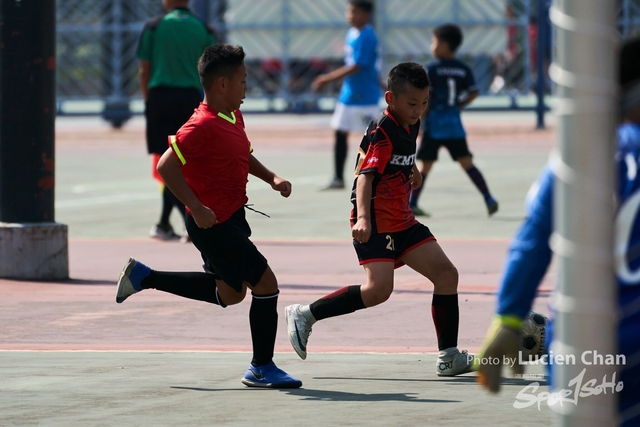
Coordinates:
[169,48]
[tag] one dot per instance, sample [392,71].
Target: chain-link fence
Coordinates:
[290,42]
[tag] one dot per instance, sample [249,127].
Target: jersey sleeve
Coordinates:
[378,153]
[432,77]
[185,142]
[469,82]
[529,254]
[144,46]
[364,49]
[240,118]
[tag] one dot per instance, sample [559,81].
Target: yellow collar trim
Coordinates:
[231,119]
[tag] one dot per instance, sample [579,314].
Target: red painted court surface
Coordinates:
[105,194]
[81,314]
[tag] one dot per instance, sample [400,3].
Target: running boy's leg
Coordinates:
[477,178]
[430,261]
[300,318]
[263,321]
[427,154]
[199,286]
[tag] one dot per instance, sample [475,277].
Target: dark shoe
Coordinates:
[492,205]
[163,232]
[419,212]
[336,184]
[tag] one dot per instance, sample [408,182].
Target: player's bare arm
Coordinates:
[320,81]
[361,231]
[469,99]
[259,170]
[144,75]
[169,168]
[416,177]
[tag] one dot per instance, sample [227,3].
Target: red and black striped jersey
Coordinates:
[388,150]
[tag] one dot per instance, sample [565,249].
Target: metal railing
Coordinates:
[289,42]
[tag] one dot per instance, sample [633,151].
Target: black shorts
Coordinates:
[429,148]
[227,251]
[392,246]
[166,110]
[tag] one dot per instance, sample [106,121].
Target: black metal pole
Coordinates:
[544,34]
[27,110]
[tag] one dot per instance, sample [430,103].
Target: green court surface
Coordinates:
[104,187]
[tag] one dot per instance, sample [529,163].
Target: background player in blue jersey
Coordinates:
[453,87]
[360,92]
[386,234]
[530,254]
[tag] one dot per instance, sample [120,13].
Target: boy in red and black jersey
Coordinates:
[385,233]
[206,166]
[387,151]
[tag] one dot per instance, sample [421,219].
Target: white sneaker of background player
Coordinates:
[452,361]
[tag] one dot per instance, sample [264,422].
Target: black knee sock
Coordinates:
[446,317]
[415,194]
[478,181]
[340,153]
[192,285]
[263,320]
[166,206]
[177,203]
[343,301]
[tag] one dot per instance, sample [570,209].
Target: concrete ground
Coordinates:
[69,355]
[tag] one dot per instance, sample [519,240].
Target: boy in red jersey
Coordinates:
[385,233]
[206,166]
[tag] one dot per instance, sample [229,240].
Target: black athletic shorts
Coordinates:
[166,110]
[392,246]
[227,251]
[429,148]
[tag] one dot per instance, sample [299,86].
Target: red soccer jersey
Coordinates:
[214,152]
[388,150]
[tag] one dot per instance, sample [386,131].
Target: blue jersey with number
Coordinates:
[530,254]
[451,80]
[361,48]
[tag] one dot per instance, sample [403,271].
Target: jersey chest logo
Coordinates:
[400,160]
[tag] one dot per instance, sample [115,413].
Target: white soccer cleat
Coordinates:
[452,361]
[299,320]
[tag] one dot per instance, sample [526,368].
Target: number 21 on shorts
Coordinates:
[391,244]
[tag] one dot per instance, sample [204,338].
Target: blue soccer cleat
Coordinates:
[269,376]
[130,279]
[492,205]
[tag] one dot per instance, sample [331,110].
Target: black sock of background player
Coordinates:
[446,317]
[192,285]
[167,206]
[478,180]
[343,301]
[263,320]
[415,194]
[177,203]
[340,153]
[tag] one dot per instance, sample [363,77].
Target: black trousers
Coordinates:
[167,109]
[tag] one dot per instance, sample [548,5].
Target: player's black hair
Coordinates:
[629,75]
[404,74]
[366,5]
[450,34]
[218,60]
